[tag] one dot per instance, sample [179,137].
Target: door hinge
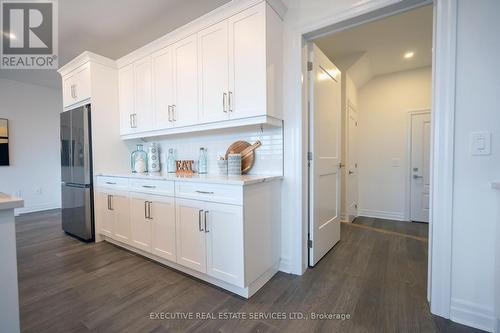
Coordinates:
[310,244]
[309,156]
[309,66]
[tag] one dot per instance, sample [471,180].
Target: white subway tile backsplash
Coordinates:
[268,157]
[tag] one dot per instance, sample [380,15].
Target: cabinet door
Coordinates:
[162,214]
[190,235]
[82,83]
[163,81]
[140,224]
[104,214]
[185,111]
[213,65]
[120,207]
[247,63]
[223,225]
[126,99]
[68,93]
[143,94]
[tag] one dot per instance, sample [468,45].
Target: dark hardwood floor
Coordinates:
[67,286]
[408,228]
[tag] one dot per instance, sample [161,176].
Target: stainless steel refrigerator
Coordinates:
[76,173]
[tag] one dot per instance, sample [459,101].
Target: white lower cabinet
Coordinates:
[191,249]
[113,215]
[153,224]
[224,234]
[210,239]
[223,226]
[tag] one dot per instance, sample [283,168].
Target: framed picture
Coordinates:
[4,142]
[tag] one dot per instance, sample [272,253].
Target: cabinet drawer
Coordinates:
[117,183]
[231,194]
[152,186]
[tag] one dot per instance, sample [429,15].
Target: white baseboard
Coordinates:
[37,208]
[285,265]
[380,214]
[473,315]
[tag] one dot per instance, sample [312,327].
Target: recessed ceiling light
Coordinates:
[409,55]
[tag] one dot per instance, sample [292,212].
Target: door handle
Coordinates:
[417,177]
[206,217]
[224,98]
[173,112]
[111,202]
[111,183]
[149,210]
[351,172]
[170,113]
[131,120]
[230,102]
[145,209]
[148,186]
[199,220]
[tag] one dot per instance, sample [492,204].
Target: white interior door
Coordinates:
[324,144]
[420,166]
[352,163]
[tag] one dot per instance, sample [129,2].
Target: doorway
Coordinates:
[384,68]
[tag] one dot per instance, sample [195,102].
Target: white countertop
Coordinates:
[496,185]
[214,179]
[10,202]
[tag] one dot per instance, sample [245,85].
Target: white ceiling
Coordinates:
[112,28]
[384,42]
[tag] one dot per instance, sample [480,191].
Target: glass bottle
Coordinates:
[139,160]
[171,167]
[202,161]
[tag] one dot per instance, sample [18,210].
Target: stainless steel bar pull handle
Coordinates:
[204,192]
[149,210]
[145,209]
[199,220]
[206,217]
[173,112]
[148,186]
[111,183]
[170,113]
[230,101]
[224,99]
[417,177]
[131,120]
[111,202]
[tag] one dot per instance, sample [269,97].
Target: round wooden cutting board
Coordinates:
[248,159]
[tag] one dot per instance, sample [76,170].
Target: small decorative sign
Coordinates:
[185,167]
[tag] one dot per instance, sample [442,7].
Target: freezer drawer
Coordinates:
[77,211]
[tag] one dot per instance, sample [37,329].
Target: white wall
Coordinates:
[474,202]
[33,114]
[268,157]
[384,103]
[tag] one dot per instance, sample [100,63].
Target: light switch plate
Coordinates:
[480,143]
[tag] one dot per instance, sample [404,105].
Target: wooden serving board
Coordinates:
[248,153]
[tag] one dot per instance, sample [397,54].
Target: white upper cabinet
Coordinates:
[213,65]
[76,85]
[163,88]
[225,73]
[126,99]
[185,107]
[143,94]
[135,90]
[247,63]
